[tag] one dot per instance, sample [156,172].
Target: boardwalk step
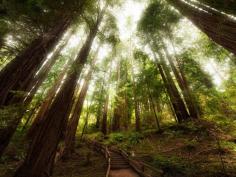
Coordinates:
[118,161]
[120,167]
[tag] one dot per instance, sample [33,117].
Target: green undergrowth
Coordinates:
[123,140]
[194,148]
[14,154]
[177,166]
[84,163]
[173,166]
[16,148]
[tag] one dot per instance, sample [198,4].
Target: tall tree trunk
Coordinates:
[137,116]
[46,140]
[118,107]
[219,27]
[85,124]
[46,105]
[153,108]
[21,77]
[174,104]
[136,102]
[16,76]
[86,118]
[99,112]
[175,98]
[73,123]
[34,84]
[104,116]
[181,109]
[226,6]
[116,118]
[74,120]
[182,82]
[193,104]
[33,111]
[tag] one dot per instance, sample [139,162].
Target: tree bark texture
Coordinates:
[74,120]
[219,27]
[47,138]
[16,76]
[104,116]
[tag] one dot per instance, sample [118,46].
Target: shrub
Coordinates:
[173,166]
[135,138]
[115,138]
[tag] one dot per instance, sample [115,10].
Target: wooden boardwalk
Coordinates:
[123,173]
[119,166]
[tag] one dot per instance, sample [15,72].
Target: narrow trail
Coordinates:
[120,167]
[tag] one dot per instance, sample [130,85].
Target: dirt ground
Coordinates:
[123,173]
[84,163]
[190,153]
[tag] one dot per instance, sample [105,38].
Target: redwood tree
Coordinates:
[219,27]
[30,88]
[47,138]
[73,122]
[16,76]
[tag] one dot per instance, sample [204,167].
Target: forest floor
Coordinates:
[84,163]
[192,149]
[123,173]
[198,149]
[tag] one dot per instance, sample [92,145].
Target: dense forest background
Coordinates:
[156,78]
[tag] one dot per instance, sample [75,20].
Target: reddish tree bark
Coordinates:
[47,138]
[182,82]
[74,120]
[7,132]
[46,105]
[118,105]
[153,109]
[219,27]
[116,118]
[20,73]
[104,116]
[175,98]
[36,82]
[17,75]
[137,116]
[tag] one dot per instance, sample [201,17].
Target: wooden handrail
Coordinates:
[109,162]
[104,150]
[139,166]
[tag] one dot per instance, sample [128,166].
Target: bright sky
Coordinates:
[128,16]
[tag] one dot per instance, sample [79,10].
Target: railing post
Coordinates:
[143,168]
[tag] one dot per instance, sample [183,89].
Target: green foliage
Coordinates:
[124,140]
[135,138]
[3,27]
[9,113]
[191,127]
[191,146]
[198,78]
[211,50]
[116,138]
[98,136]
[109,31]
[172,166]
[158,16]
